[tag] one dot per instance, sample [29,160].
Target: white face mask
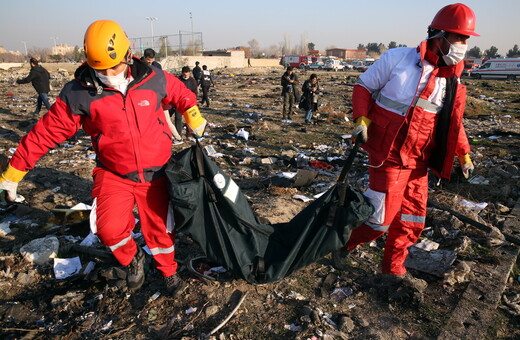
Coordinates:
[455,54]
[118,82]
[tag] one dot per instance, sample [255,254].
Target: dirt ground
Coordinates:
[315,302]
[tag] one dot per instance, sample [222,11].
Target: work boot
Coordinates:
[135,271]
[174,284]
[404,288]
[340,257]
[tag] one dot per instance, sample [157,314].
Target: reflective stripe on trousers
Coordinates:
[406,195]
[115,199]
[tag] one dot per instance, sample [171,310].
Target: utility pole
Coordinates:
[25,45]
[54,38]
[165,39]
[152,19]
[192,41]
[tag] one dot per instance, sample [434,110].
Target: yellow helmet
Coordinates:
[106,44]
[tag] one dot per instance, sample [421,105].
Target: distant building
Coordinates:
[62,49]
[314,52]
[217,53]
[247,50]
[346,53]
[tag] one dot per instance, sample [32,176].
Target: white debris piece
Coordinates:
[63,268]
[302,198]
[243,133]
[4,228]
[474,206]
[427,245]
[41,250]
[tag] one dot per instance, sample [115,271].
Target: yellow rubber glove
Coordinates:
[466,165]
[195,122]
[9,182]
[361,130]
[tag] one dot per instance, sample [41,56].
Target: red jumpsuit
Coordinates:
[132,143]
[403,94]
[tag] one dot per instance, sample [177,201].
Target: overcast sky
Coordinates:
[225,24]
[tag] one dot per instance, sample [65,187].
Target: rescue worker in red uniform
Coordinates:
[118,100]
[408,109]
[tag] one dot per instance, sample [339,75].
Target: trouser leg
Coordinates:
[45,99]
[408,224]
[152,204]
[205,95]
[385,192]
[114,217]
[39,102]
[308,115]
[285,105]
[291,105]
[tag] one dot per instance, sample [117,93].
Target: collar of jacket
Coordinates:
[140,70]
[432,58]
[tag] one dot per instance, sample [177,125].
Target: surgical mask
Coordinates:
[118,82]
[455,54]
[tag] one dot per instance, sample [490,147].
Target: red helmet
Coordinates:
[456,18]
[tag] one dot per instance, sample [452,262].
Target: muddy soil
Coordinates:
[307,304]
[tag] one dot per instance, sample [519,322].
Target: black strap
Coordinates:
[259,269]
[199,160]
[348,163]
[342,184]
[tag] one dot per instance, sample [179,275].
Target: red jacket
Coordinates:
[129,134]
[403,96]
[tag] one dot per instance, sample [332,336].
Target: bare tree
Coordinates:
[254,47]
[41,53]
[286,44]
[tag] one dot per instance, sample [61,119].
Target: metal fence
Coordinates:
[182,44]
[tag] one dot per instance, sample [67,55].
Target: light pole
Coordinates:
[152,19]
[25,45]
[192,42]
[54,38]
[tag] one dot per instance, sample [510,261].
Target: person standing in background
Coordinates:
[186,78]
[40,79]
[309,101]
[205,83]
[289,81]
[149,58]
[197,72]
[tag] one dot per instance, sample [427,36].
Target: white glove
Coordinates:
[361,133]
[9,183]
[466,165]
[10,190]
[467,169]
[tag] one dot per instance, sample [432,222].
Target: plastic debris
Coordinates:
[302,198]
[242,133]
[474,206]
[64,268]
[191,310]
[293,328]
[339,294]
[4,228]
